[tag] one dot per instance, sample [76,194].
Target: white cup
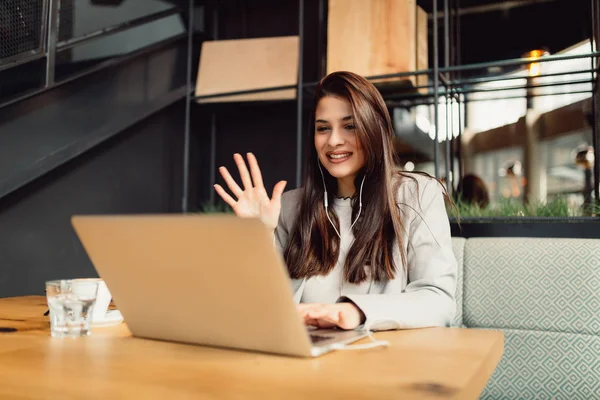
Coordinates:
[103,299]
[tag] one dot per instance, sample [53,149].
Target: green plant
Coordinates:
[558,207]
[217,208]
[593,209]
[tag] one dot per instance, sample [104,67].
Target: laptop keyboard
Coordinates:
[319,338]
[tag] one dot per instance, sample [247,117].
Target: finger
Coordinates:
[319,314]
[304,306]
[327,315]
[224,195]
[309,306]
[344,323]
[304,313]
[309,321]
[234,187]
[348,321]
[255,171]
[278,191]
[320,323]
[243,170]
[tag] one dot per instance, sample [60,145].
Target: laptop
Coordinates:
[214,280]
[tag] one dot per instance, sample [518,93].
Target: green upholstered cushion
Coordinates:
[533,283]
[458,246]
[546,365]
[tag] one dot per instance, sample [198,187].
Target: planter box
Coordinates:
[554,227]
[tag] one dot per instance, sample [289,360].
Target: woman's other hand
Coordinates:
[253,201]
[342,315]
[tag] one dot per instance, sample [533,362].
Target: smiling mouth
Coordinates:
[338,157]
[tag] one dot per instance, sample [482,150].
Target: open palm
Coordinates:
[253,201]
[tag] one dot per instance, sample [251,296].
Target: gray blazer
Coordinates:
[425,297]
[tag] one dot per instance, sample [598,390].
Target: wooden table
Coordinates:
[436,363]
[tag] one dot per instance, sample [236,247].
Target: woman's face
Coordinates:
[336,141]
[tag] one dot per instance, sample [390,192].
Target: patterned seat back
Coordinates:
[458,246]
[545,295]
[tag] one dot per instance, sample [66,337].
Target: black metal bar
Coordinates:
[436,156]
[249,91]
[299,94]
[458,39]
[449,88]
[385,76]
[480,7]
[466,67]
[528,86]
[501,89]
[595,17]
[44,27]
[213,156]
[472,81]
[452,149]
[446,34]
[16,61]
[596,116]
[411,103]
[445,81]
[457,149]
[447,145]
[213,121]
[533,95]
[517,61]
[322,42]
[53,21]
[244,13]
[215,27]
[452,38]
[502,63]
[188,104]
[466,99]
[459,153]
[455,33]
[405,96]
[594,33]
[70,43]
[275,88]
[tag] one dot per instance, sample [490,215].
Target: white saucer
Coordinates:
[112,317]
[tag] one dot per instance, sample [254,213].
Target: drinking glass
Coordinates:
[71,304]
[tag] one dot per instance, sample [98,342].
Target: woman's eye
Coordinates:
[322,129]
[350,127]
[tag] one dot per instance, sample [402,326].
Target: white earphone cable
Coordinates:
[374,343]
[326,201]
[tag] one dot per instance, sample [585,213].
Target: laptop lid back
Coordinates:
[205,279]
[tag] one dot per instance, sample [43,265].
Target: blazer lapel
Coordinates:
[298,289]
[376,287]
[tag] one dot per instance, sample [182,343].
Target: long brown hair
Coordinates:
[313,247]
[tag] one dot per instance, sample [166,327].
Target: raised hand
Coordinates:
[253,201]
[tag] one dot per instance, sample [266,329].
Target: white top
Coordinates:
[423,298]
[329,288]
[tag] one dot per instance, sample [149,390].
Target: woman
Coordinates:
[472,190]
[364,243]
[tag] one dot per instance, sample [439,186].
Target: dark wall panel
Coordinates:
[138,171]
[267,130]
